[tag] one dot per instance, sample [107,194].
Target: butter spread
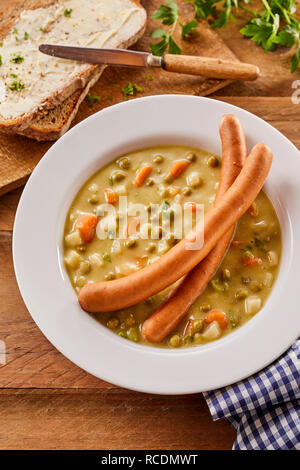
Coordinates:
[28,77]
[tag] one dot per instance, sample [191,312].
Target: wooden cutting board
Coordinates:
[19,155]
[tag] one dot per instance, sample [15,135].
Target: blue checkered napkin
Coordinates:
[265,408]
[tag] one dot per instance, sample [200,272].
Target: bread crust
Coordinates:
[21,124]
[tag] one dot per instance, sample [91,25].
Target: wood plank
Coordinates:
[19,155]
[275,79]
[113,420]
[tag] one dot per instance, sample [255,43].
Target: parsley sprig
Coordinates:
[274,24]
[168,15]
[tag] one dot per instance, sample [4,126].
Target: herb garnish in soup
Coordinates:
[161,180]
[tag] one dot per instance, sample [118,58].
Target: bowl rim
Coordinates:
[121,352]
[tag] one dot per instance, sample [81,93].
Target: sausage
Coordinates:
[161,322]
[138,286]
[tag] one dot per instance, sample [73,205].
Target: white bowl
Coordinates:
[44,284]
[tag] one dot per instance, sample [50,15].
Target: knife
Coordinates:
[192,65]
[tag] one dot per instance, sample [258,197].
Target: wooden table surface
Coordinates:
[46,402]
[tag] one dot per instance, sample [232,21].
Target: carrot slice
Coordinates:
[142,174]
[178,168]
[253,261]
[110,196]
[236,243]
[86,226]
[218,316]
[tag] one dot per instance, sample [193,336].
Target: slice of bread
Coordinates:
[115,23]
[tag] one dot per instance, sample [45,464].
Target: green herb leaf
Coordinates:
[15,31]
[26,36]
[16,86]
[203,8]
[68,12]
[106,257]
[173,47]
[111,181]
[1,60]
[130,89]
[188,28]
[18,59]
[92,98]
[167,14]
[295,60]
[159,48]
[149,77]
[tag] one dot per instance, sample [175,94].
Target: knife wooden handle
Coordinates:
[209,67]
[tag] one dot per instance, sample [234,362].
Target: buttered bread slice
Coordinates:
[31,82]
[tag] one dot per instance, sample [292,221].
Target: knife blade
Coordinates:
[119,57]
[210,67]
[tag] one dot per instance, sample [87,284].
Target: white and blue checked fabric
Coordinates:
[264,409]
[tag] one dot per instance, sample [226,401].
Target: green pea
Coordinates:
[132,334]
[117,176]
[150,182]
[113,323]
[158,159]
[219,287]
[110,276]
[245,280]
[191,156]
[124,163]
[151,248]
[197,325]
[131,243]
[256,286]
[186,191]
[93,199]
[174,341]
[168,179]
[81,248]
[225,274]
[188,339]
[205,307]
[213,161]
[130,320]
[241,294]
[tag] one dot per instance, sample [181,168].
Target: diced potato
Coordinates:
[121,190]
[94,188]
[96,260]
[272,258]
[80,281]
[72,259]
[268,279]
[116,247]
[212,332]
[252,304]
[84,267]
[126,268]
[194,180]
[73,239]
